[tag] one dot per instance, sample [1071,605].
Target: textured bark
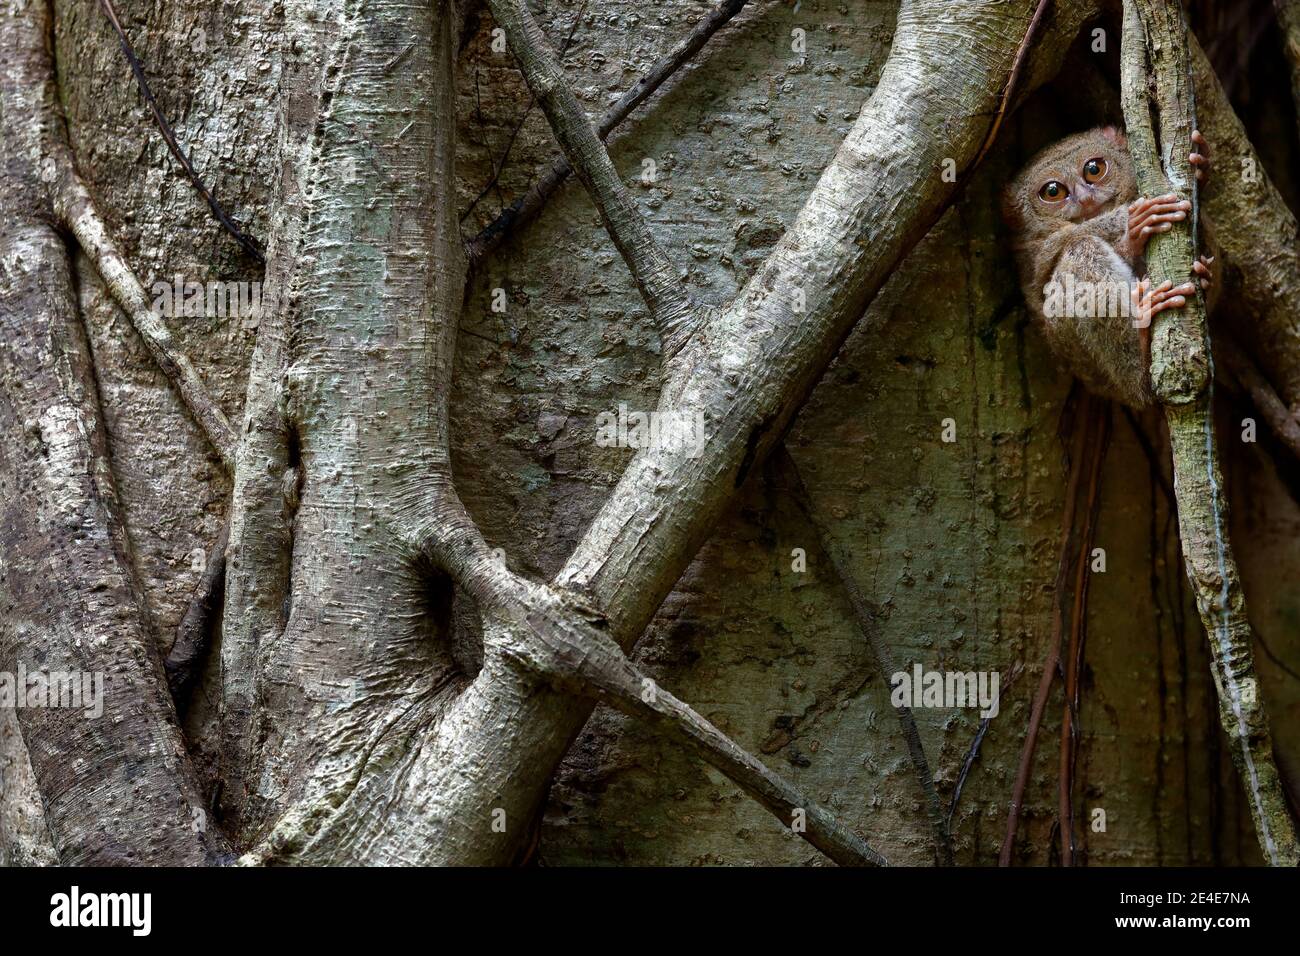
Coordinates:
[364,275]
[115,780]
[748,369]
[347,731]
[657,279]
[524,209]
[1257,232]
[24,838]
[1182,375]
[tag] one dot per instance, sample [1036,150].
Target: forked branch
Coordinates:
[554,635]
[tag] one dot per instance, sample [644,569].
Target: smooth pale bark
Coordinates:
[342,414]
[435,798]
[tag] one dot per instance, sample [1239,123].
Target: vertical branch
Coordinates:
[116,783]
[1155,34]
[1095,458]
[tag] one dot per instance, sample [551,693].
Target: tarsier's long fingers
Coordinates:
[1202,268]
[1149,216]
[1148,302]
[1200,158]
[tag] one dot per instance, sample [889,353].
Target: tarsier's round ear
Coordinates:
[1115,135]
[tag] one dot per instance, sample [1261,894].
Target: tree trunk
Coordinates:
[434,568]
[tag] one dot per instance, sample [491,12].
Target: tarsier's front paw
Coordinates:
[1200,158]
[1147,302]
[1146,217]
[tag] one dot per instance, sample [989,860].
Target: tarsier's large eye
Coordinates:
[1053,191]
[1094,170]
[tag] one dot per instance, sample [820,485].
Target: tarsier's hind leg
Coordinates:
[1094,330]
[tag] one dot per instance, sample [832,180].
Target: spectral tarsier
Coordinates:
[1081,234]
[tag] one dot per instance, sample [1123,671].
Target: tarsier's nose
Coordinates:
[1089,202]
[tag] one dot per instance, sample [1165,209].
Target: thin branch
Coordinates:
[882,659]
[494,181]
[1052,661]
[1012,81]
[1281,664]
[565,644]
[1156,34]
[1096,456]
[973,752]
[555,635]
[499,166]
[73,207]
[170,138]
[627,689]
[77,210]
[532,202]
[655,276]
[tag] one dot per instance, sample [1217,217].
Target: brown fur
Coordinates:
[1082,237]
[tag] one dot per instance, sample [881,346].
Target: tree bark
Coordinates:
[115,780]
[385,689]
[1182,373]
